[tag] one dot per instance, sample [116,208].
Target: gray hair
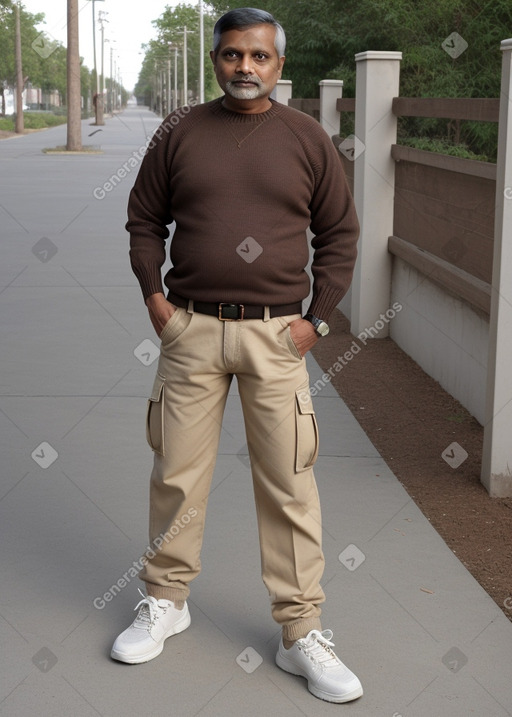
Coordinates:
[246,17]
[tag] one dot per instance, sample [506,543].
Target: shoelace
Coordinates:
[318,648]
[148,611]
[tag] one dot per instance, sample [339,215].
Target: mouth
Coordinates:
[244,83]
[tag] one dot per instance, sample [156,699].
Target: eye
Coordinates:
[230,54]
[261,57]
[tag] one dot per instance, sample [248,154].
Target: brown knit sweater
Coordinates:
[243,190]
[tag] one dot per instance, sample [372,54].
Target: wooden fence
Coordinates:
[449,220]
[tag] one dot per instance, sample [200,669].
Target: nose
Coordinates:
[245,66]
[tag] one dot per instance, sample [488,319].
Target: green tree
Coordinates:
[169,29]
[324,35]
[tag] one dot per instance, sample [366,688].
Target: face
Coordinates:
[248,67]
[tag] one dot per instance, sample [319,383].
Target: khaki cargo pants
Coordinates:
[199,356]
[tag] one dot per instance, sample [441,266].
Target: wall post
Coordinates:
[282,92]
[330,91]
[496,472]
[377,83]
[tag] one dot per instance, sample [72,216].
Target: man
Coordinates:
[242,177]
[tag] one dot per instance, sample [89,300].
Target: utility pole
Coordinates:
[185,64]
[19,126]
[201,52]
[102,20]
[98,104]
[74,130]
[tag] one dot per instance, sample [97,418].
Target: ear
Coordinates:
[280,65]
[213,57]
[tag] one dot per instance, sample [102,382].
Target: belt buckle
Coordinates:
[231,312]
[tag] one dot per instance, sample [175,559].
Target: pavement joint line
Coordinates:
[75,218]
[82,696]
[212,490]
[117,116]
[95,404]
[75,628]
[15,219]
[287,696]
[13,422]
[482,630]
[490,695]
[14,628]
[13,280]
[96,300]
[209,619]
[14,486]
[404,608]
[95,504]
[16,687]
[422,691]
[389,521]
[214,696]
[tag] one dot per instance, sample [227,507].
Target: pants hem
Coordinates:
[300,628]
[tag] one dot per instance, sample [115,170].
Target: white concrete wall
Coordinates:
[443,334]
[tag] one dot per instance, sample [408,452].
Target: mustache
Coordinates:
[245,78]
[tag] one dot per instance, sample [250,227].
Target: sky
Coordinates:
[129,26]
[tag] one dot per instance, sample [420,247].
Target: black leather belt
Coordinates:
[225,311]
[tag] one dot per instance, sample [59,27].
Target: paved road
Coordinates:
[77,360]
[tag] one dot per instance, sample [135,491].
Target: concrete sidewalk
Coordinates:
[77,356]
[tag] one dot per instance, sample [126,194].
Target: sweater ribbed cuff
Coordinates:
[324,302]
[150,279]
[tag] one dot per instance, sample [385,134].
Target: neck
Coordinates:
[247,107]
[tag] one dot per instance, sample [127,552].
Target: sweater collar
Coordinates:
[218,109]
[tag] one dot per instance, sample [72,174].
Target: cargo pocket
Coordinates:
[307,430]
[155,416]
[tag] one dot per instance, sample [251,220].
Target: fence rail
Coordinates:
[436,236]
[454,108]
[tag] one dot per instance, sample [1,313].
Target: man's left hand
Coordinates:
[303,335]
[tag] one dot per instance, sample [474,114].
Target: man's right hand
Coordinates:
[160,311]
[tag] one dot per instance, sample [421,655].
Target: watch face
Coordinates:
[322,328]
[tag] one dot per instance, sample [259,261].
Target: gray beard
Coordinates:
[243,93]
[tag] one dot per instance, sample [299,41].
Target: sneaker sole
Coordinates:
[290,667]
[180,626]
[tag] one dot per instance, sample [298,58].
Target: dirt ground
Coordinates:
[412,421]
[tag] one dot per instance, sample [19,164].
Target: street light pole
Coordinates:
[175,77]
[98,104]
[201,52]
[185,63]
[185,66]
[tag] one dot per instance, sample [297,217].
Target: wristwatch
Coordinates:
[321,328]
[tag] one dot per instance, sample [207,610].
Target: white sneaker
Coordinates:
[144,639]
[312,657]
